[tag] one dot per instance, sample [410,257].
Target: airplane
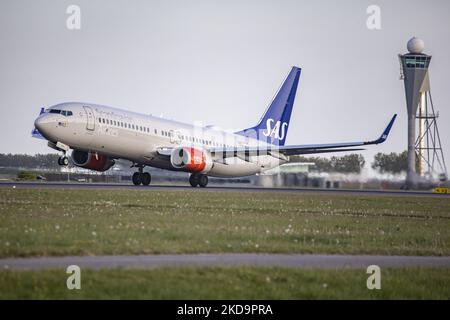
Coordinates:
[98,135]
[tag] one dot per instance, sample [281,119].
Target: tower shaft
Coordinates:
[422,152]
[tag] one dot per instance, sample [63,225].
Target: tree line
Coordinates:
[40,161]
[351,163]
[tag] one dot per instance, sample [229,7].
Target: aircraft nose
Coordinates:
[39,123]
[42,124]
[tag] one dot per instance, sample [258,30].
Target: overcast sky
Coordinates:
[220,62]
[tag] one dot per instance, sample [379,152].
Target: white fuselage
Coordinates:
[140,138]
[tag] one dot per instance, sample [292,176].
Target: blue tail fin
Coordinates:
[273,126]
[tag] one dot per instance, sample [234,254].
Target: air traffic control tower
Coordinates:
[425,156]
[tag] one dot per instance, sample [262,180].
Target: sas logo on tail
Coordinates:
[278,131]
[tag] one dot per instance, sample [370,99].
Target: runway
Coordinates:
[213,188]
[224,260]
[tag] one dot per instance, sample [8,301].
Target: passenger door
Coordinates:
[90,124]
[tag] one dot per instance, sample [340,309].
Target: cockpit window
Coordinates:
[63,112]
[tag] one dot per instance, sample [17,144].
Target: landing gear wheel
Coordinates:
[203,180]
[63,161]
[137,178]
[193,180]
[146,178]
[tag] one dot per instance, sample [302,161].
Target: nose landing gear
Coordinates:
[198,179]
[63,161]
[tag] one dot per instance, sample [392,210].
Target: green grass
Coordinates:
[227,283]
[94,222]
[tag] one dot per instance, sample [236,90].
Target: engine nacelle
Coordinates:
[191,159]
[93,161]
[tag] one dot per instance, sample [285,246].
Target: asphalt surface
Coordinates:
[233,259]
[214,188]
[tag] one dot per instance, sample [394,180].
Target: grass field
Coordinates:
[227,283]
[94,222]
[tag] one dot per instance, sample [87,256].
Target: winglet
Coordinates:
[385,134]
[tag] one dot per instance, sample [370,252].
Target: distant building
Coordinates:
[295,174]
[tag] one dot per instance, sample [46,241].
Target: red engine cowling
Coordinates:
[191,159]
[90,160]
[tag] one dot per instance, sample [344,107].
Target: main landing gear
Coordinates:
[141,177]
[198,179]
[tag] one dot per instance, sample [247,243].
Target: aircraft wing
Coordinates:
[301,149]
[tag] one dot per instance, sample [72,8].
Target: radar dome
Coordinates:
[415,45]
